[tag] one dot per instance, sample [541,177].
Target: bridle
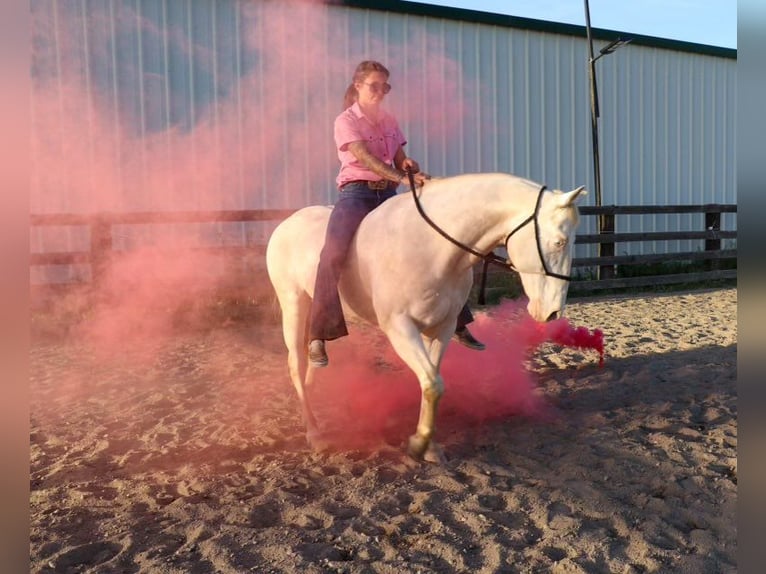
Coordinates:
[491,257]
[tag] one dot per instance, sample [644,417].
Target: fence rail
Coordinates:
[711,233]
[609,264]
[101,232]
[101,241]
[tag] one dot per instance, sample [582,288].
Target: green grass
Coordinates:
[658,289]
[501,284]
[673,267]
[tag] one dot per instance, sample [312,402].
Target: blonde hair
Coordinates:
[363,70]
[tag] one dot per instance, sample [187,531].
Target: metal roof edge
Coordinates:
[504,20]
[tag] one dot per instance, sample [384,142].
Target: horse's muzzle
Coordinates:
[552,317]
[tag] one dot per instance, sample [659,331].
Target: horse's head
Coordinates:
[544,249]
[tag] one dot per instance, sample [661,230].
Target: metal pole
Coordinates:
[604,225]
[594,111]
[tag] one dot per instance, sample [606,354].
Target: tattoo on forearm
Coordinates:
[359,149]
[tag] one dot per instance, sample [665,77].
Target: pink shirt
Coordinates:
[383,139]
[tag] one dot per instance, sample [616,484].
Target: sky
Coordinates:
[711,22]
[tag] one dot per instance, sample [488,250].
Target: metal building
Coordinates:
[141,105]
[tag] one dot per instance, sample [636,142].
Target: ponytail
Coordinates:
[350,96]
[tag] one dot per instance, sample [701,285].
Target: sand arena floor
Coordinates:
[189,456]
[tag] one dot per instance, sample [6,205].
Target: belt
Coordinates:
[376,185]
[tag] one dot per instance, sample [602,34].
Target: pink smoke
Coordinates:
[140,298]
[367,389]
[109,135]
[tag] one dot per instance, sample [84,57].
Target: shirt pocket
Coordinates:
[391,142]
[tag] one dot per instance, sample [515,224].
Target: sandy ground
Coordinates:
[188,455]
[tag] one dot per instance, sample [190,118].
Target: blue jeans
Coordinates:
[355,201]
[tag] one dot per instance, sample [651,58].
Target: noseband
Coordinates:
[491,256]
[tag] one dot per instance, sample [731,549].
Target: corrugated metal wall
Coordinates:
[195,104]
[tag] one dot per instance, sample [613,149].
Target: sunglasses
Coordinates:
[378,87]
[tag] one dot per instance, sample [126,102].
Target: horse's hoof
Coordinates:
[435,454]
[318,442]
[417,446]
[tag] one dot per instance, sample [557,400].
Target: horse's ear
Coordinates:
[571,196]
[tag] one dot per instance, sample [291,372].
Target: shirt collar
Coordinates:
[357,111]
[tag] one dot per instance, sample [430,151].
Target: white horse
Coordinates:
[411,281]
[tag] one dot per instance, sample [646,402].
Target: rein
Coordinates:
[491,257]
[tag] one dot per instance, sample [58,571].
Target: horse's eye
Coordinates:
[560,242]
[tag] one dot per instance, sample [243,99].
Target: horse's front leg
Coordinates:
[436,349]
[422,442]
[408,344]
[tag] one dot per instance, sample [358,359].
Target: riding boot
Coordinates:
[462,334]
[464,337]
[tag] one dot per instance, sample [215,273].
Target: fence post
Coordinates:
[713,223]
[606,249]
[100,249]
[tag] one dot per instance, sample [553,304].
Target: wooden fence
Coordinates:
[101,242]
[609,265]
[101,227]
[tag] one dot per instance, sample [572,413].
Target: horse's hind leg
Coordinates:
[295,314]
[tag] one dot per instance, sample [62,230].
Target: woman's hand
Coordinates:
[410,164]
[419,177]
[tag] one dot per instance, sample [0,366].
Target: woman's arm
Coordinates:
[360,151]
[396,174]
